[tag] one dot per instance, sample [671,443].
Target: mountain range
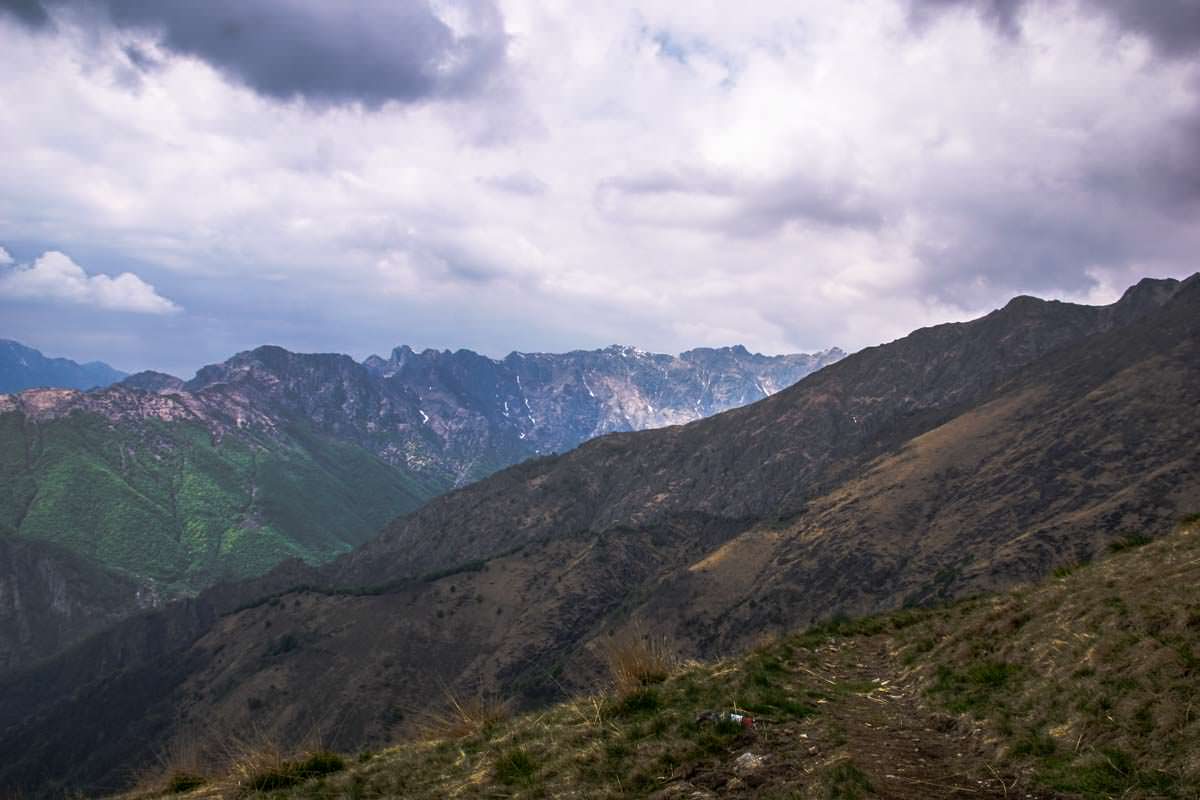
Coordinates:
[962,458]
[172,486]
[22,367]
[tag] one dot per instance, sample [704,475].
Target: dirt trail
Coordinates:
[875,736]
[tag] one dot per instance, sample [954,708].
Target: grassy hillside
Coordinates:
[163,500]
[1087,685]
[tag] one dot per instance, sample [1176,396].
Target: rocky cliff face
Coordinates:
[456,417]
[554,402]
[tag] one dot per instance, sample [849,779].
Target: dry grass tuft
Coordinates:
[465,716]
[179,768]
[637,660]
[259,763]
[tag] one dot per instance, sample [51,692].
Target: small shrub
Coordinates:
[180,782]
[1038,745]
[777,702]
[974,688]
[321,762]
[182,767]
[516,767]
[1128,542]
[284,644]
[644,700]
[290,773]
[716,738]
[845,781]
[990,674]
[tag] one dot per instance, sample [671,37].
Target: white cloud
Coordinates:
[55,277]
[5,258]
[665,174]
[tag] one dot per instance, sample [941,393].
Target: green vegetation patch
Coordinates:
[516,767]
[843,780]
[169,502]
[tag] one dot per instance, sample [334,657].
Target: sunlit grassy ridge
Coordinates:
[1092,679]
[1087,685]
[165,501]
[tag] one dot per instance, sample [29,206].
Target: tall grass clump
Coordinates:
[464,716]
[260,764]
[181,767]
[637,660]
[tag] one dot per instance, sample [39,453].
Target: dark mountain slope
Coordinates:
[23,368]
[1087,444]
[761,461]
[50,598]
[716,531]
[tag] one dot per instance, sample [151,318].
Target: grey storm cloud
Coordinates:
[369,52]
[1163,174]
[745,208]
[29,12]
[1173,26]
[521,183]
[1003,13]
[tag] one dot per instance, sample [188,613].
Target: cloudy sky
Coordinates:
[183,180]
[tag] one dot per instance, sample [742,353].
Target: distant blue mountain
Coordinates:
[23,367]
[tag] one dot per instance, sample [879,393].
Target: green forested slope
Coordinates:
[167,501]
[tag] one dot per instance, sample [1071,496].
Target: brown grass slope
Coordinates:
[959,459]
[1084,445]
[1082,686]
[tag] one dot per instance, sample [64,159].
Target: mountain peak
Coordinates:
[1156,291]
[155,382]
[23,367]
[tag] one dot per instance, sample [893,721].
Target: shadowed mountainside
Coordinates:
[50,598]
